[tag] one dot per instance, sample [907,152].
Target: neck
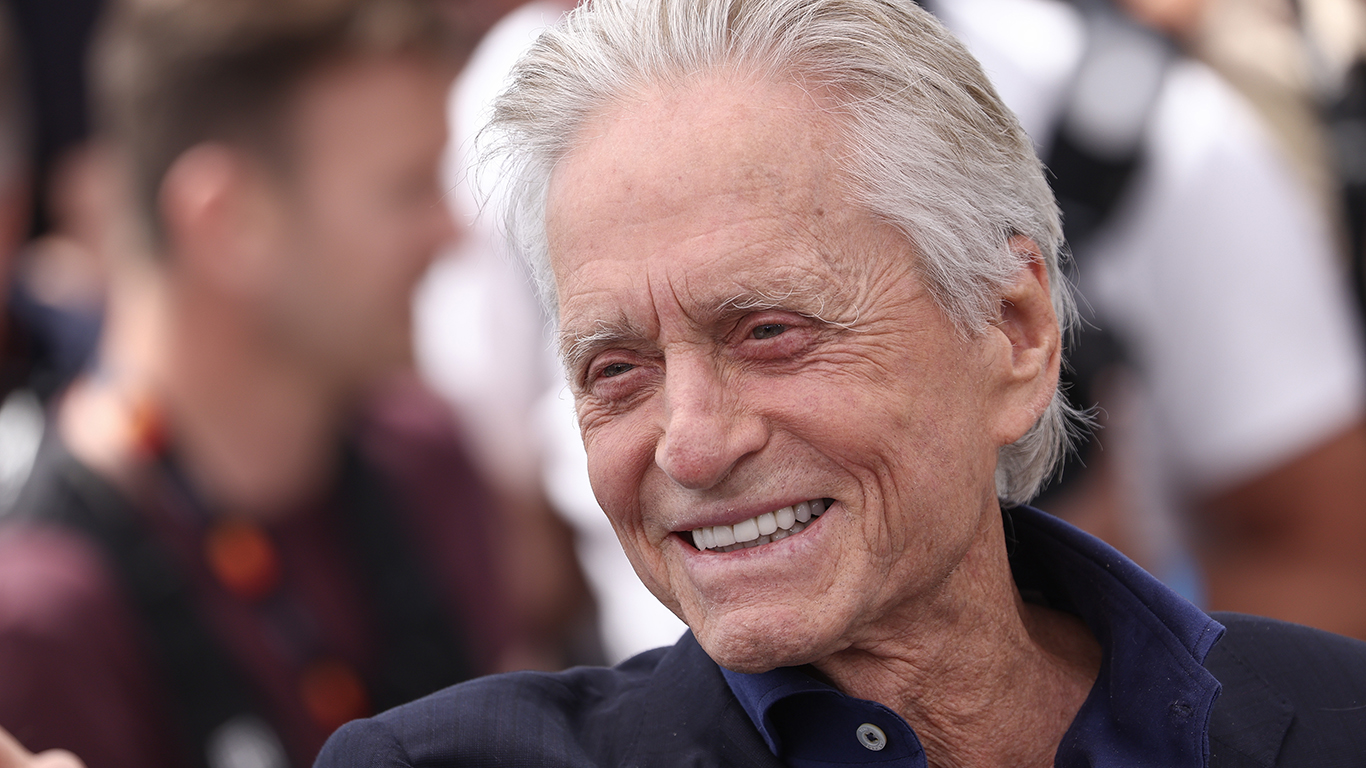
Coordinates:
[255,430]
[984,678]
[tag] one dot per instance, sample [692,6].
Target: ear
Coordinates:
[220,217]
[1028,345]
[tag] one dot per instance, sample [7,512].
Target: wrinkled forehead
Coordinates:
[658,138]
[749,159]
[706,200]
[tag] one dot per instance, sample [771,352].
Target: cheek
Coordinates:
[620,453]
[909,439]
[619,467]
[359,237]
[859,418]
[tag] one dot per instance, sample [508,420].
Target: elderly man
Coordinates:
[805,266]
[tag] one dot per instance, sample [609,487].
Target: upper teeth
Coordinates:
[770,526]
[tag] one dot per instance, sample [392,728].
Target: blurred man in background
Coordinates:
[215,561]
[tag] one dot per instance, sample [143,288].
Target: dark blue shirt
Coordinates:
[1149,706]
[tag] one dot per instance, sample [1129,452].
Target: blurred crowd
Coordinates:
[283,435]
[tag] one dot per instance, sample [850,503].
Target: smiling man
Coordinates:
[805,267]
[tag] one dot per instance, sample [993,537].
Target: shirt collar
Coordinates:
[1150,704]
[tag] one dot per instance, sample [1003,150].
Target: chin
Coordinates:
[754,645]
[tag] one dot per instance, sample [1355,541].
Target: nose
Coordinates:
[708,430]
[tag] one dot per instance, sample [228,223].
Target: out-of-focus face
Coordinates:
[362,214]
[742,339]
[472,19]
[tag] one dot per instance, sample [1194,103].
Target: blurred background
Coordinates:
[172,363]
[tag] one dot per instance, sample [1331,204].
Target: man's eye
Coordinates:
[615,369]
[768,330]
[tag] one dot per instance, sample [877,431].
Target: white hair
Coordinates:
[932,149]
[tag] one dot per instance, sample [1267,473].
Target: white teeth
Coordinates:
[747,531]
[785,517]
[725,535]
[760,530]
[767,524]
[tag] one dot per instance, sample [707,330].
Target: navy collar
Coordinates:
[1149,706]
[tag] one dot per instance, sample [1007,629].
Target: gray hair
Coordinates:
[933,151]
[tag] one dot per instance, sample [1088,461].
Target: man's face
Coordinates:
[741,338]
[361,214]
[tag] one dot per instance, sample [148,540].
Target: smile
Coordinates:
[768,527]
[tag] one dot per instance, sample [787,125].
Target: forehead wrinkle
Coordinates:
[790,237]
[815,284]
[799,215]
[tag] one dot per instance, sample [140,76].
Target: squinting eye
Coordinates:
[616,369]
[768,330]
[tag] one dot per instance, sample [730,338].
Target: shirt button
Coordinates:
[871,737]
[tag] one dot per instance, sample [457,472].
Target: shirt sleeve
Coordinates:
[1222,275]
[72,674]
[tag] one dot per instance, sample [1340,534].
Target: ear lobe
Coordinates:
[1030,327]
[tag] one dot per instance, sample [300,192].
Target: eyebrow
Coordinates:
[576,348]
[795,295]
